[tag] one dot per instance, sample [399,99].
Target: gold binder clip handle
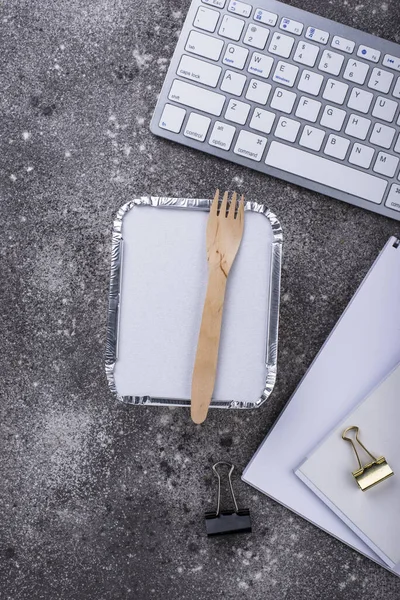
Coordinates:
[357,429]
[371,473]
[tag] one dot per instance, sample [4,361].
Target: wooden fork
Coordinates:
[224,234]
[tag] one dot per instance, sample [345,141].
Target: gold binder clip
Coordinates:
[372,473]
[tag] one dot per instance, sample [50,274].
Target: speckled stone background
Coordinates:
[99,500]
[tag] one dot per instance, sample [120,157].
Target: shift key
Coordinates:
[196,97]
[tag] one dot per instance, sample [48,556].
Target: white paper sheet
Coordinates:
[164,277]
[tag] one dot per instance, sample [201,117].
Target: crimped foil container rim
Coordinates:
[111,355]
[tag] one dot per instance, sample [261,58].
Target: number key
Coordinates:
[281,45]
[256,36]
[331,62]
[231,28]
[306,54]
[356,71]
[380,80]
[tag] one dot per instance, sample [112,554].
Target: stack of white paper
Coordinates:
[362,349]
[373,514]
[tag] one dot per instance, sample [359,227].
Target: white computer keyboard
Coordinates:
[290,94]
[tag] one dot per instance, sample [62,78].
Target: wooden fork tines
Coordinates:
[224,234]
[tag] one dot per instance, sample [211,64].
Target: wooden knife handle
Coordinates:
[205,367]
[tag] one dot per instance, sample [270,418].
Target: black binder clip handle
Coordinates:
[222,522]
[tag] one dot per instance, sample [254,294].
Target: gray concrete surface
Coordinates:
[99,500]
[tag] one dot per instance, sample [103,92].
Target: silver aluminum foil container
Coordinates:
[271,350]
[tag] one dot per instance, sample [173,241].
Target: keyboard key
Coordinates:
[197,127]
[308,109]
[262,120]
[333,118]
[386,164]
[342,44]
[283,100]
[231,28]
[198,70]
[312,138]
[361,156]
[337,146]
[317,35]
[285,73]
[382,136]
[235,56]
[369,53]
[306,54]
[204,45]
[358,127]
[250,145]
[385,109]
[310,82]
[263,16]
[217,3]
[393,199]
[281,45]
[381,80]
[258,91]
[331,62]
[240,8]
[356,71]
[233,83]
[397,146]
[396,91]
[291,26]
[237,111]
[196,97]
[360,100]
[256,36]
[222,135]
[335,91]
[206,19]
[172,118]
[260,65]
[287,129]
[322,170]
[392,62]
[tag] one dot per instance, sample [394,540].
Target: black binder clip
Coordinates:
[222,522]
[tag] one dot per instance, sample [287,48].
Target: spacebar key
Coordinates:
[197,97]
[326,172]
